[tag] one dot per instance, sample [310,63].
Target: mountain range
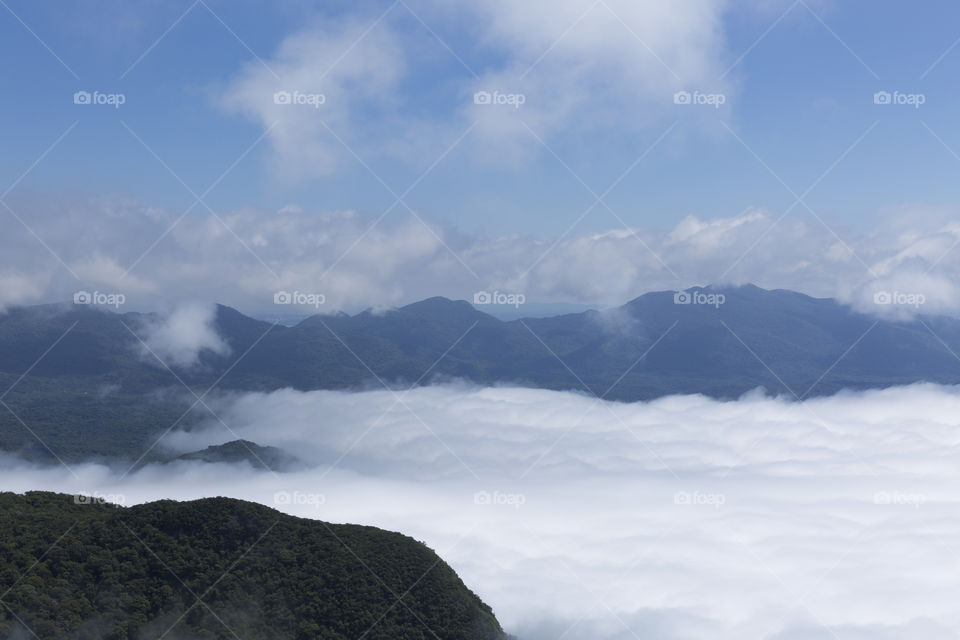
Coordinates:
[78,372]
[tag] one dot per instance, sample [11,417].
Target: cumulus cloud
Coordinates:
[178,338]
[247,255]
[330,78]
[683,517]
[585,66]
[577,67]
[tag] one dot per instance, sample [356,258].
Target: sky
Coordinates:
[626,146]
[684,517]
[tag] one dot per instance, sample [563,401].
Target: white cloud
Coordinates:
[580,67]
[586,66]
[682,517]
[355,264]
[708,235]
[345,72]
[180,336]
[17,288]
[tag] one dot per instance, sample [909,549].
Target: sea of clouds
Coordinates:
[684,517]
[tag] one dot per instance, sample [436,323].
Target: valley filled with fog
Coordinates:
[683,517]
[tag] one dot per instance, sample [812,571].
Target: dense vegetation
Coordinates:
[79,420]
[95,393]
[257,456]
[97,571]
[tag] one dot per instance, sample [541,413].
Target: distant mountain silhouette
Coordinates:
[783,341]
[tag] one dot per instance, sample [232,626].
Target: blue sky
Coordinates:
[800,99]
[598,78]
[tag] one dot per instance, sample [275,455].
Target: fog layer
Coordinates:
[684,517]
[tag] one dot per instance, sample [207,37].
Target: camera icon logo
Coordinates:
[882,297]
[681,97]
[282,497]
[282,297]
[81,97]
[482,297]
[482,97]
[682,497]
[282,97]
[82,297]
[682,297]
[482,497]
[881,97]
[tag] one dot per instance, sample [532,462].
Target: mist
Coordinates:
[683,517]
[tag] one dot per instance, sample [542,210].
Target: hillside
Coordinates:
[102,571]
[257,456]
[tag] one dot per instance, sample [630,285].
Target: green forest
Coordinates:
[219,568]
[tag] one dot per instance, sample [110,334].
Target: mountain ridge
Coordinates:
[785,342]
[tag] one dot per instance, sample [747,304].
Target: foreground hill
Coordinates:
[100,571]
[85,396]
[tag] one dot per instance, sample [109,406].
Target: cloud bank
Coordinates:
[684,517]
[155,258]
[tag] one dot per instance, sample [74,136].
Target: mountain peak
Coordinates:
[438,306]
